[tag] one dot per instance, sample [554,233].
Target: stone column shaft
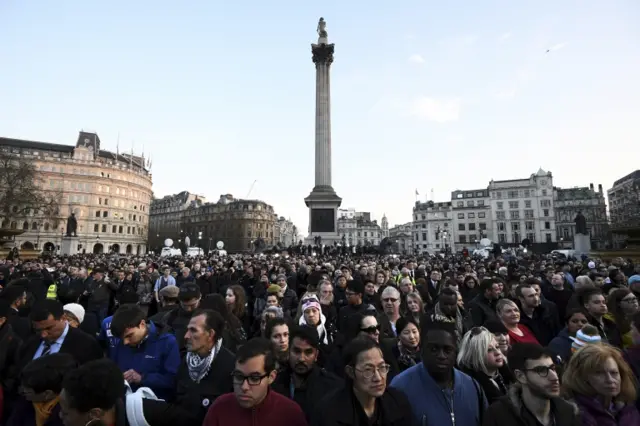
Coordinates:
[323,125]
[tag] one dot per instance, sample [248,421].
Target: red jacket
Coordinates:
[275,410]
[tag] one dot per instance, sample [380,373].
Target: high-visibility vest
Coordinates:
[52,292]
[400,278]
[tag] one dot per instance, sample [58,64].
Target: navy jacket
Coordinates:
[156,359]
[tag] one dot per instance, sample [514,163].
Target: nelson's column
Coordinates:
[323,202]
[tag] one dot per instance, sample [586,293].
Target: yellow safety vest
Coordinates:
[400,277]
[52,292]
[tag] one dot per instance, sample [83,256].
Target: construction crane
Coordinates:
[250,189]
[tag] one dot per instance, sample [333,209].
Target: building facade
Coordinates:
[432,227]
[166,216]
[384,226]
[357,228]
[472,222]
[241,225]
[402,238]
[523,209]
[568,202]
[286,233]
[108,192]
[624,207]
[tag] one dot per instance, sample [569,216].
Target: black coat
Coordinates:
[20,325]
[319,383]
[481,310]
[80,345]
[335,363]
[196,398]
[24,414]
[341,408]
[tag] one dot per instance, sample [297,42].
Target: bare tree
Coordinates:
[22,191]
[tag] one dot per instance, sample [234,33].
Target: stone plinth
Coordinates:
[581,244]
[69,246]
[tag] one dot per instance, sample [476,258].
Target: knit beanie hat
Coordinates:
[76,309]
[274,289]
[583,339]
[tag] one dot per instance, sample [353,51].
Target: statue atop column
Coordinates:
[581,224]
[72,226]
[322,31]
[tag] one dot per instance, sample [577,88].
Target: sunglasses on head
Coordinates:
[371,329]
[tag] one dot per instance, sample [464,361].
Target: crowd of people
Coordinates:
[319,340]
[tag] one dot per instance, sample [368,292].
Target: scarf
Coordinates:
[43,410]
[459,321]
[322,331]
[408,356]
[199,367]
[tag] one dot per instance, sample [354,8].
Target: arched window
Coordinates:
[34,226]
[46,226]
[25,226]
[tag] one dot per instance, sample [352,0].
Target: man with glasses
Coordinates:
[252,401]
[535,397]
[354,294]
[390,299]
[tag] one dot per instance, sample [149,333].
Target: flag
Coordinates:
[417,193]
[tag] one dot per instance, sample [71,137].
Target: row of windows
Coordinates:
[527,204]
[515,193]
[84,172]
[515,214]
[105,213]
[121,203]
[470,194]
[481,215]
[515,226]
[117,229]
[516,237]
[472,226]
[470,203]
[34,226]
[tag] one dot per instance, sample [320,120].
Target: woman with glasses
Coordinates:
[622,304]
[602,385]
[407,350]
[364,399]
[480,357]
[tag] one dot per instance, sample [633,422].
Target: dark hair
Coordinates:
[96,384]
[43,308]
[212,321]
[128,298]
[256,347]
[273,323]
[216,302]
[355,347]
[403,322]
[613,304]
[307,333]
[46,373]
[520,287]
[5,308]
[189,291]
[436,322]
[241,300]
[520,353]
[127,316]
[354,324]
[587,293]
[448,291]
[355,286]
[13,292]
[575,310]
[486,284]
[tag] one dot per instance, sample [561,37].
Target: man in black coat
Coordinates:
[303,381]
[54,335]
[205,372]
[483,307]
[15,295]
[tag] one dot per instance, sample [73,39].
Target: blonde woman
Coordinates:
[480,357]
[602,385]
[415,306]
[509,314]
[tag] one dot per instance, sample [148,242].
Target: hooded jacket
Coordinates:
[156,359]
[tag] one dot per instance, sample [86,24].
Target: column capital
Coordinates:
[322,53]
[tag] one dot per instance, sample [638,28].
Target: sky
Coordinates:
[426,95]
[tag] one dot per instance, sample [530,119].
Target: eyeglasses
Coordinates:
[390,299]
[631,299]
[253,380]
[542,370]
[369,372]
[371,329]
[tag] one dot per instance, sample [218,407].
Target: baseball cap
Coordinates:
[170,292]
[189,292]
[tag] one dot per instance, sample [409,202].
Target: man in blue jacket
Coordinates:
[146,354]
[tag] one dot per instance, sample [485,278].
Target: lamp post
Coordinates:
[210,243]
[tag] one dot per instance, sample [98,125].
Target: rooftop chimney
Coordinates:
[591,186]
[600,188]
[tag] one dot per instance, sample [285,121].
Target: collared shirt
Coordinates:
[55,346]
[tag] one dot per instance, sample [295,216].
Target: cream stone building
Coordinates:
[109,193]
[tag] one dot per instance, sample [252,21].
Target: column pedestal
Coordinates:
[581,244]
[69,246]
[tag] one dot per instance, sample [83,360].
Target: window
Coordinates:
[544,194]
[483,226]
[531,237]
[460,203]
[500,215]
[498,194]
[106,201]
[479,194]
[480,202]
[545,203]
[98,213]
[500,205]
[527,204]
[104,228]
[514,214]
[470,204]
[513,194]
[471,215]
[424,236]
[502,238]
[516,238]
[502,226]
[423,217]
[96,227]
[530,226]
[472,227]
[514,204]
[463,238]
[105,213]
[545,212]
[527,193]
[565,233]
[460,215]
[461,227]
[528,214]
[114,228]
[120,229]
[515,226]
[481,215]
[548,238]
[547,225]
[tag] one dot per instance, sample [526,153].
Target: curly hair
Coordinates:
[96,384]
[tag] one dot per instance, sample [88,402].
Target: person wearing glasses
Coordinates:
[364,399]
[534,399]
[391,306]
[252,401]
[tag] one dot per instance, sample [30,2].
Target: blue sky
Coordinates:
[426,94]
